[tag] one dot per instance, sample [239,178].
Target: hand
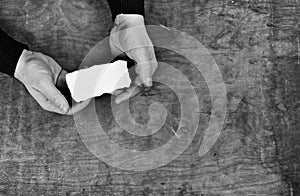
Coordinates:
[129,35]
[39,74]
[42,76]
[62,86]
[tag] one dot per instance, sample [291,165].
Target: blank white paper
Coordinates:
[97,80]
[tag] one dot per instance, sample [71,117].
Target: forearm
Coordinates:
[126,7]
[10,52]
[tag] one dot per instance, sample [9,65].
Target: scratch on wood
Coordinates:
[174,132]
[298,50]
[27,15]
[291,188]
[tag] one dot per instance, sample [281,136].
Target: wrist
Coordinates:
[21,62]
[126,7]
[61,79]
[124,21]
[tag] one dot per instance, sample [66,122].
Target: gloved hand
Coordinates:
[62,86]
[129,35]
[39,73]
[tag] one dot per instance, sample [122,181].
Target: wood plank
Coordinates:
[253,43]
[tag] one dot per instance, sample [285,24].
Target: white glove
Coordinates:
[129,35]
[39,74]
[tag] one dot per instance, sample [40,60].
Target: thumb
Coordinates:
[144,70]
[43,101]
[146,64]
[48,89]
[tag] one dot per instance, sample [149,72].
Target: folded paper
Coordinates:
[97,80]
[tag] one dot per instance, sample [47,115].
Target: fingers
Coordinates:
[130,36]
[78,107]
[53,95]
[127,94]
[117,92]
[44,102]
[123,95]
[146,68]
[84,67]
[145,73]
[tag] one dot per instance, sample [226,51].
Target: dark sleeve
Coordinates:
[10,52]
[126,7]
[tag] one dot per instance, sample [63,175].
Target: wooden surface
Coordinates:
[255,44]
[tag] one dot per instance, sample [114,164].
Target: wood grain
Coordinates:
[255,44]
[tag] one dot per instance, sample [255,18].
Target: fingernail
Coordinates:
[64,108]
[117,101]
[148,82]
